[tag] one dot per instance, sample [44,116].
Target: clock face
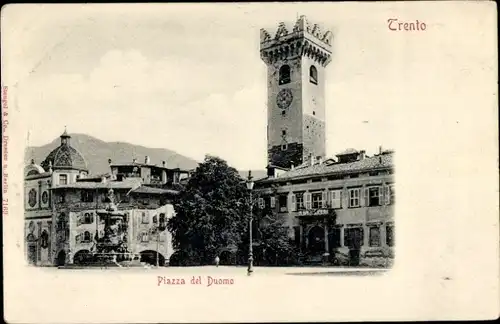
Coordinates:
[284,98]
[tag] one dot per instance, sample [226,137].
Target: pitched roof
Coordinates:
[366,164]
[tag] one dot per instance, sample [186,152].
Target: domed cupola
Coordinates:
[65,157]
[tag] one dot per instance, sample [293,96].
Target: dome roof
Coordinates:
[33,169]
[65,156]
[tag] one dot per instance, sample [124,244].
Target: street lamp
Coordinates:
[250,184]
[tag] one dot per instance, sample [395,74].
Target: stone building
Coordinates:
[338,210]
[62,201]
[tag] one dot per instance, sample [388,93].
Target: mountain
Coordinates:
[97,152]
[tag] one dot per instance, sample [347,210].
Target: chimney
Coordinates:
[311,159]
[380,149]
[292,167]
[147,160]
[320,159]
[362,155]
[103,179]
[164,164]
[134,160]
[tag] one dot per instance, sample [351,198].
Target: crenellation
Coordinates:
[305,39]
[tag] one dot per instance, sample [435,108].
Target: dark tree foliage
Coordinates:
[211,212]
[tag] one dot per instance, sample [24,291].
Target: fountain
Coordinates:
[112,248]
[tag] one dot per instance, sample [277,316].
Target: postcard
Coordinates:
[250,162]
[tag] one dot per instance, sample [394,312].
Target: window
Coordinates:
[63,179]
[145,218]
[313,74]
[389,235]
[262,203]
[283,113]
[61,198]
[374,236]
[162,218]
[144,237]
[299,201]
[283,132]
[317,200]
[336,198]
[374,196]
[353,198]
[86,237]
[283,202]
[353,237]
[284,75]
[88,218]
[284,147]
[155,219]
[87,196]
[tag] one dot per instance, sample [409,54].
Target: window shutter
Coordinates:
[387,190]
[324,197]
[366,196]
[78,219]
[294,203]
[308,200]
[77,238]
[332,198]
[273,202]
[261,203]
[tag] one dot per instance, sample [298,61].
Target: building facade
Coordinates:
[62,200]
[338,210]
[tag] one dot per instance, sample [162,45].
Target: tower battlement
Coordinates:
[303,39]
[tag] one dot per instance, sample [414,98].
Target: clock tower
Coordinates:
[296,60]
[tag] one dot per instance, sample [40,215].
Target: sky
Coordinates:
[189,77]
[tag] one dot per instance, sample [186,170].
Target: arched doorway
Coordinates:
[316,240]
[83,257]
[152,257]
[61,258]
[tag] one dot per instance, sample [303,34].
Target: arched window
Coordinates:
[32,172]
[155,219]
[162,218]
[86,236]
[88,218]
[313,74]
[284,75]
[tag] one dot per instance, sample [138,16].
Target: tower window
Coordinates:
[63,179]
[283,112]
[284,75]
[283,132]
[313,74]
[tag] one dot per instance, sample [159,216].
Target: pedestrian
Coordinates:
[217,260]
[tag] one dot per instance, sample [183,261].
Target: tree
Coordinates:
[210,213]
[272,245]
